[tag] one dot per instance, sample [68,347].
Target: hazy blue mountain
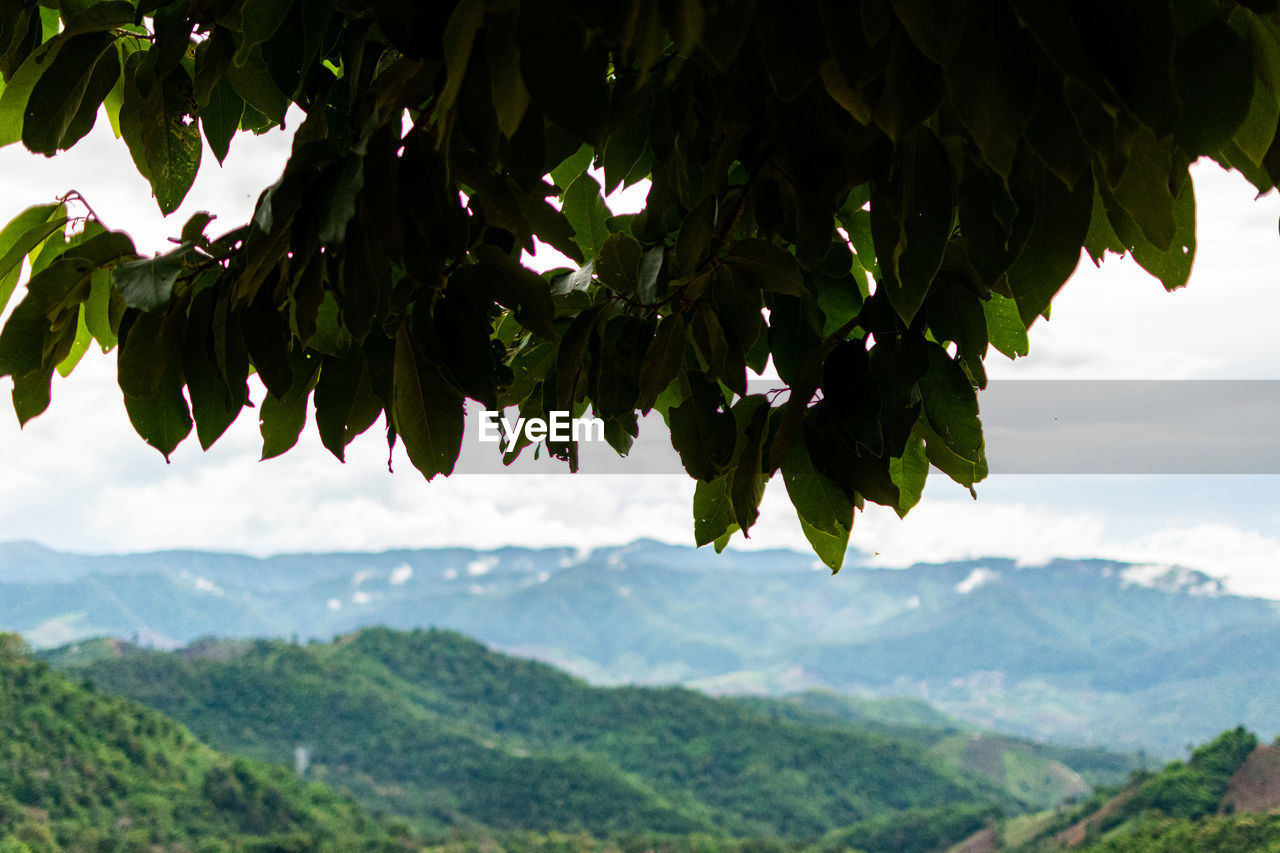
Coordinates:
[1077,651]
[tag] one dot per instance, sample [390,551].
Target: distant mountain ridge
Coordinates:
[1083,651]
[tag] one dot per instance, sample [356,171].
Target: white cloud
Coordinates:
[980,576]
[206,585]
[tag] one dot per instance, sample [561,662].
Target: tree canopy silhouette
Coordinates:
[867,195]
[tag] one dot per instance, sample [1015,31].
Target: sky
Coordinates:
[77,478]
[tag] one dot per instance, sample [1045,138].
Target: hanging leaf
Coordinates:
[428,413]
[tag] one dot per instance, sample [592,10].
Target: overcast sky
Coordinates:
[77,478]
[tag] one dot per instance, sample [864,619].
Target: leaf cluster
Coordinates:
[866,196]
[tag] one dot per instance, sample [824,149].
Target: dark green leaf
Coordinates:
[147,284]
[66,98]
[765,265]
[618,263]
[428,412]
[220,118]
[663,360]
[1213,72]
[702,432]
[162,134]
[587,213]
[524,292]
[281,420]
[564,68]
[818,501]
[1052,251]
[951,405]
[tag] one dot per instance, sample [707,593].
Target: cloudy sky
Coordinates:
[77,478]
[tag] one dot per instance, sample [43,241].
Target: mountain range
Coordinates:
[1088,652]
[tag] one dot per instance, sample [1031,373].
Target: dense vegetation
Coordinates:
[1184,807]
[897,186]
[82,771]
[436,727]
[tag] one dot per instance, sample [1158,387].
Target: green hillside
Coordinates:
[1223,799]
[1041,775]
[436,727]
[82,771]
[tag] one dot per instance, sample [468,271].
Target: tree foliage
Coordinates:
[866,195]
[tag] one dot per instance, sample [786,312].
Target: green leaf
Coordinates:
[27,340]
[911,219]
[513,286]
[150,375]
[339,201]
[695,236]
[31,393]
[789,33]
[97,309]
[281,419]
[1172,266]
[618,263]
[65,100]
[1004,326]
[624,340]
[951,405]
[829,548]
[966,472]
[147,284]
[18,88]
[344,401]
[1213,72]
[712,511]
[564,69]
[164,420]
[662,361]
[253,82]
[510,97]
[259,20]
[702,432]
[574,165]
[1258,130]
[819,502]
[20,237]
[765,265]
[427,411]
[459,36]
[587,213]
[909,473]
[220,118]
[1052,250]
[748,480]
[162,134]
[78,347]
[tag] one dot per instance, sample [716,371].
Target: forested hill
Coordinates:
[1077,651]
[82,771]
[435,727]
[1224,799]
